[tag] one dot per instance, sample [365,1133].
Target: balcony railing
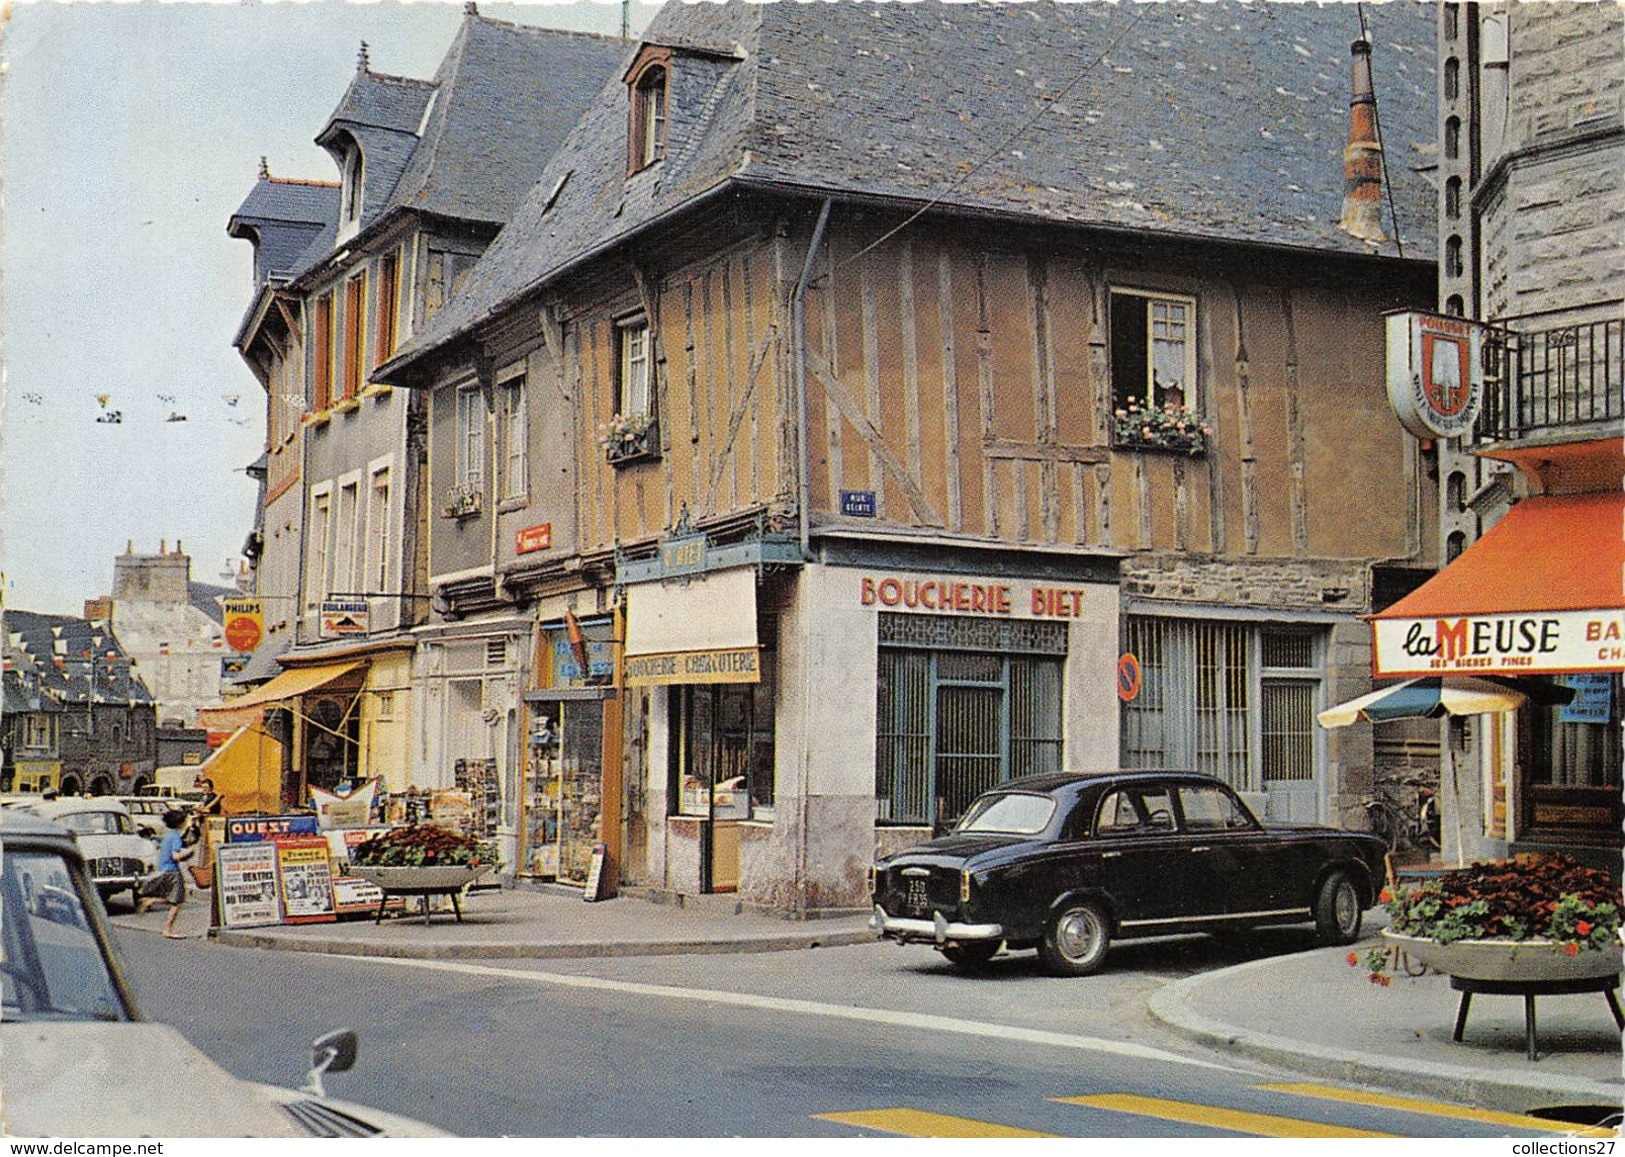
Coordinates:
[1549,379]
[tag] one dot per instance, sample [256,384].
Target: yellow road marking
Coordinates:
[918,1123]
[1437,1109]
[1257,1124]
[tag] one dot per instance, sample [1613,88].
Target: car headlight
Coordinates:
[872,879]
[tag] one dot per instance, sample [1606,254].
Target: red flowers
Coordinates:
[1354,959]
[1571,949]
[1583,927]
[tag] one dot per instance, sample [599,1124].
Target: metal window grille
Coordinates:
[962,705]
[1230,699]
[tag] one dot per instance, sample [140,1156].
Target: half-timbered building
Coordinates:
[887,401]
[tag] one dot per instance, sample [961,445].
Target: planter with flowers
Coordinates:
[627,436]
[422,858]
[1170,427]
[1536,920]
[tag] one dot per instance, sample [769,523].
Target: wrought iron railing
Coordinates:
[1569,376]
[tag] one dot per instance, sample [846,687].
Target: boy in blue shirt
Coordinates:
[166,886]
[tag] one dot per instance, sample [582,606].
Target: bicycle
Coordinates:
[1403,830]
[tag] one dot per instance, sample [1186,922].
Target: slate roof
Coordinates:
[282,217]
[504,97]
[1203,120]
[206,598]
[508,94]
[30,642]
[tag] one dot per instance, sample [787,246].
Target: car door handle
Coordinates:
[1202,848]
[1110,855]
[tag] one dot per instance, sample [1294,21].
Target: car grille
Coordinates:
[115,867]
[321,1120]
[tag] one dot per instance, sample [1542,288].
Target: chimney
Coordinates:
[1362,159]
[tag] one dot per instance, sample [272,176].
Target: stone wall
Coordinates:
[1265,584]
[1551,226]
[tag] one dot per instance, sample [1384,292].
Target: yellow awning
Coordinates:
[291,684]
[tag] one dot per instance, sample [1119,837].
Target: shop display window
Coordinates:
[723,749]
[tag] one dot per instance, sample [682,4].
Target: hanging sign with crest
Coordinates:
[1435,372]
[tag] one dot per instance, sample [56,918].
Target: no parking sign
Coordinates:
[1128,676]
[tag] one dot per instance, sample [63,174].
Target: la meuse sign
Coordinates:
[1536,643]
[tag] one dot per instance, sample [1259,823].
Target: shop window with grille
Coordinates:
[1234,700]
[962,706]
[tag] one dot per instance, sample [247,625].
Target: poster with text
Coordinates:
[245,882]
[305,869]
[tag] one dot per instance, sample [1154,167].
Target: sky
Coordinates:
[129,134]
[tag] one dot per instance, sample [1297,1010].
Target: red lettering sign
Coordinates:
[534,538]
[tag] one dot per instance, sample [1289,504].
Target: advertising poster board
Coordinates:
[305,874]
[353,896]
[246,885]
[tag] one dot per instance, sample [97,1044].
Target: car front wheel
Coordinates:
[1075,942]
[1337,910]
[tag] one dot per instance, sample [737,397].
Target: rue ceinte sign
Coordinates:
[1536,643]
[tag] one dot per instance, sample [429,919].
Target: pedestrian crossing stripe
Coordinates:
[1211,1116]
[919,1123]
[1437,1109]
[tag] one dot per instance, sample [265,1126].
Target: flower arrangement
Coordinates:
[1169,427]
[422,845]
[463,501]
[625,434]
[1548,897]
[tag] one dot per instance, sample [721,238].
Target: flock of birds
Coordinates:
[110,415]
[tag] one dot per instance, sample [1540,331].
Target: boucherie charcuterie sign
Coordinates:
[1540,643]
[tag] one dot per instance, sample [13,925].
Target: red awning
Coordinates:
[1546,554]
[1542,592]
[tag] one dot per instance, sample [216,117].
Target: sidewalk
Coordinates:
[1309,1012]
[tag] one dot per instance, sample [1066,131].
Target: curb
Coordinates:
[556,950]
[1512,1092]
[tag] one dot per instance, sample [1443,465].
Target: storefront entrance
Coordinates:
[722,767]
[563,804]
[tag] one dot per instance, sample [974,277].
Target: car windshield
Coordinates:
[97,823]
[51,961]
[1014,812]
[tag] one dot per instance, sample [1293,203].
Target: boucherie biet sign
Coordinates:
[1536,643]
[954,596]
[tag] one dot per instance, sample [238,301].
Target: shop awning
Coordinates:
[245,710]
[1542,592]
[247,772]
[702,630]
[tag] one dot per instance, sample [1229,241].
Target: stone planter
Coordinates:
[1508,961]
[433,878]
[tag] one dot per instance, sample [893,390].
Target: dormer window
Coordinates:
[648,83]
[354,171]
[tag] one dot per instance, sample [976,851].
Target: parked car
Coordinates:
[148,812]
[78,1060]
[1068,863]
[117,853]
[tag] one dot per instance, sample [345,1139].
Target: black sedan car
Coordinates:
[1067,863]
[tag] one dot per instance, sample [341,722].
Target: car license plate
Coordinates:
[917,897]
